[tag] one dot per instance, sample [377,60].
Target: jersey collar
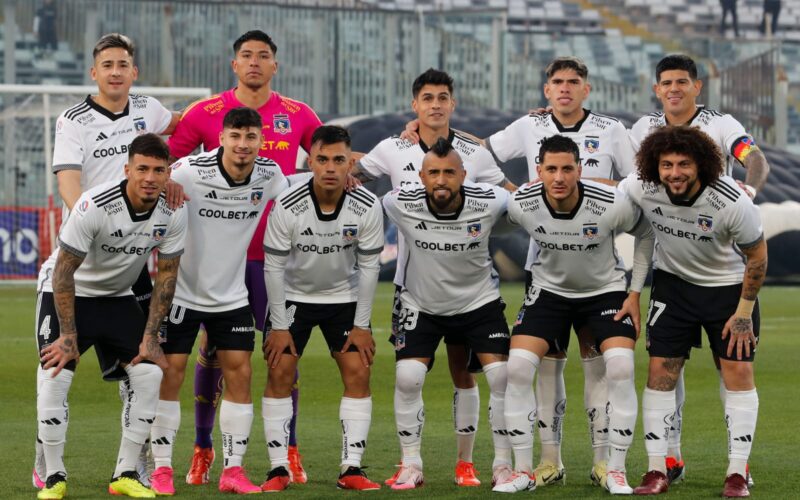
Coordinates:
[108,114]
[228,179]
[569,216]
[425,148]
[454,215]
[697,111]
[321,216]
[574,128]
[690,201]
[134,216]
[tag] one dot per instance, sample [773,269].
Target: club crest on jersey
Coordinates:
[705,222]
[140,126]
[256,195]
[349,232]
[474,229]
[591,145]
[159,231]
[590,231]
[281,124]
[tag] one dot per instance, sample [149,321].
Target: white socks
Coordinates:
[520,406]
[138,413]
[595,397]
[277,413]
[235,421]
[496,376]
[551,401]
[355,415]
[52,415]
[741,414]
[162,434]
[674,441]
[409,412]
[658,407]
[466,407]
[622,404]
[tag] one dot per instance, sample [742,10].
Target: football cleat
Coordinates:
[518,481]
[676,470]
[598,474]
[750,482]
[39,474]
[653,483]
[396,474]
[128,484]
[296,472]
[501,474]
[410,477]
[145,464]
[234,480]
[466,475]
[277,480]
[355,479]
[55,488]
[202,459]
[548,473]
[735,487]
[161,482]
[617,483]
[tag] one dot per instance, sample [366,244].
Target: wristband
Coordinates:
[745,308]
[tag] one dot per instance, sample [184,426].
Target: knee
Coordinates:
[619,364]
[520,371]
[356,381]
[144,376]
[497,376]
[409,377]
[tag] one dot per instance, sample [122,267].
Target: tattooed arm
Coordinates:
[740,325]
[757,169]
[163,291]
[65,348]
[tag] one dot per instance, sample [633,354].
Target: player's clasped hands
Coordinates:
[362,339]
[60,352]
[276,344]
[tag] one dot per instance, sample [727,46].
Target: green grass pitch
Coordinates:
[94,429]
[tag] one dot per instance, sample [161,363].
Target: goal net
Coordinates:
[30,208]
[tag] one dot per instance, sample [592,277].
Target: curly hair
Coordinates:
[683,140]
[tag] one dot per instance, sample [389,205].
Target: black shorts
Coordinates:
[335,321]
[483,330]
[550,316]
[227,331]
[113,325]
[678,309]
[143,288]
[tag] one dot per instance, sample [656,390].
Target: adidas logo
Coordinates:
[117,233]
[101,137]
[409,168]
[162,441]
[212,195]
[542,425]
[657,211]
[466,430]
[274,444]
[51,421]
[360,444]
[747,438]
[308,232]
[651,436]
[404,433]
[624,432]
[541,230]
[421,226]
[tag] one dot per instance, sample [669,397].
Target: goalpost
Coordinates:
[30,208]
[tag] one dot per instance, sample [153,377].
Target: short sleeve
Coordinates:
[371,241]
[486,169]
[639,131]
[624,161]
[82,227]
[68,150]
[278,236]
[173,242]
[630,187]
[162,116]
[509,143]
[390,205]
[627,213]
[181,173]
[746,229]
[186,136]
[376,163]
[312,122]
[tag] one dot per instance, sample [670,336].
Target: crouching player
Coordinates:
[578,282]
[321,268]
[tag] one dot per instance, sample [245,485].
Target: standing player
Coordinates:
[448,290]
[433,103]
[287,126]
[605,149]
[322,247]
[678,88]
[578,281]
[92,140]
[229,188]
[85,300]
[710,263]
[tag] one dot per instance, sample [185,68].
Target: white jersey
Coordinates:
[575,253]
[699,241]
[223,216]
[322,255]
[733,141]
[448,268]
[114,241]
[401,160]
[95,141]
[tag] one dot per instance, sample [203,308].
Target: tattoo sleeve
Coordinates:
[64,290]
[757,169]
[755,271]
[163,291]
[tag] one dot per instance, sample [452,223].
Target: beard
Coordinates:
[442,202]
[684,195]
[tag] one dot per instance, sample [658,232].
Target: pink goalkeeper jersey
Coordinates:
[288,125]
